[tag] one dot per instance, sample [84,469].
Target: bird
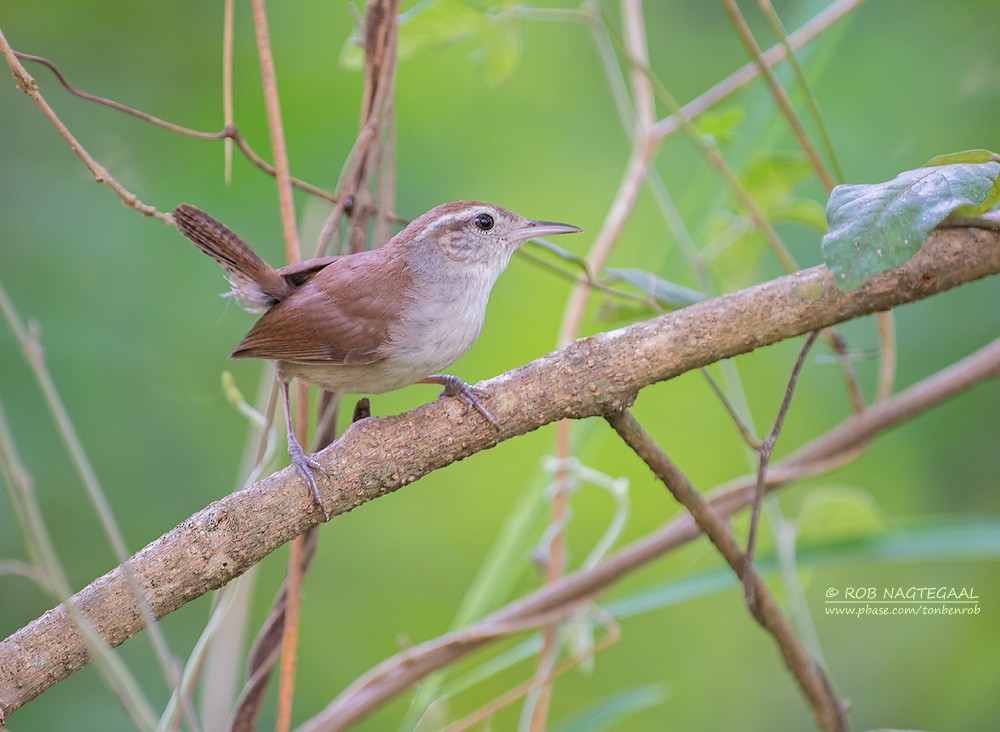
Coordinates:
[377,320]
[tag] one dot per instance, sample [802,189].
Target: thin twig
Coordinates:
[229,132]
[276,130]
[290,634]
[887,354]
[266,648]
[264,653]
[354,197]
[714,158]
[741,77]
[810,675]
[745,432]
[16,566]
[224,663]
[625,198]
[49,573]
[372,690]
[512,695]
[34,356]
[840,349]
[28,85]
[778,28]
[118,106]
[228,120]
[779,93]
[764,458]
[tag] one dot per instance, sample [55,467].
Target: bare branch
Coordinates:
[266,649]
[778,92]
[230,132]
[887,355]
[27,84]
[764,456]
[745,74]
[590,377]
[764,608]
[748,436]
[636,171]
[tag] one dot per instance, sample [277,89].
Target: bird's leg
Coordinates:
[304,465]
[469,395]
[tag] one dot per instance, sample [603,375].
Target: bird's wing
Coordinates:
[300,272]
[341,315]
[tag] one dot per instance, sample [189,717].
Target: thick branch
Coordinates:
[592,376]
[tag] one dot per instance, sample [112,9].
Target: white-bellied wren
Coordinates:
[378,320]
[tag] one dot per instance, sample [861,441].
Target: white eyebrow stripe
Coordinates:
[461,216]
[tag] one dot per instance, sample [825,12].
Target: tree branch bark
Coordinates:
[593,376]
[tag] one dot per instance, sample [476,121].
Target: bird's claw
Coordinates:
[304,466]
[468,395]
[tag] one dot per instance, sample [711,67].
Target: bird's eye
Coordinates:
[483,221]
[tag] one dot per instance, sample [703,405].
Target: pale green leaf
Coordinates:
[435,23]
[806,211]
[564,254]
[770,177]
[428,24]
[965,156]
[665,293]
[720,125]
[503,42]
[833,513]
[612,709]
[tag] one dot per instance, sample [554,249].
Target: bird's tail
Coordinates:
[256,284]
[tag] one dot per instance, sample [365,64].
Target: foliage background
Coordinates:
[136,338]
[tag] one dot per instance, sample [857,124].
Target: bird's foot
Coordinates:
[468,395]
[304,466]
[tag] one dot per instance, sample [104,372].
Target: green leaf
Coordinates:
[833,513]
[720,125]
[973,156]
[428,24]
[352,57]
[951,539]
[666,293]
[564,254]
[503,42]
[771,176]
[435,23]
[965,156]
[615,311]
[806,211]
[877,227]
[612,709]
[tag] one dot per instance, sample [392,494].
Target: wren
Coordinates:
[378,320]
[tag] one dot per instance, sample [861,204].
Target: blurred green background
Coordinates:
[136,337]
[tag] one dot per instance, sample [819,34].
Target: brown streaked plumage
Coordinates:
[377,320]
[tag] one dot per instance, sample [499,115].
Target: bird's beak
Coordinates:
[535,229]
